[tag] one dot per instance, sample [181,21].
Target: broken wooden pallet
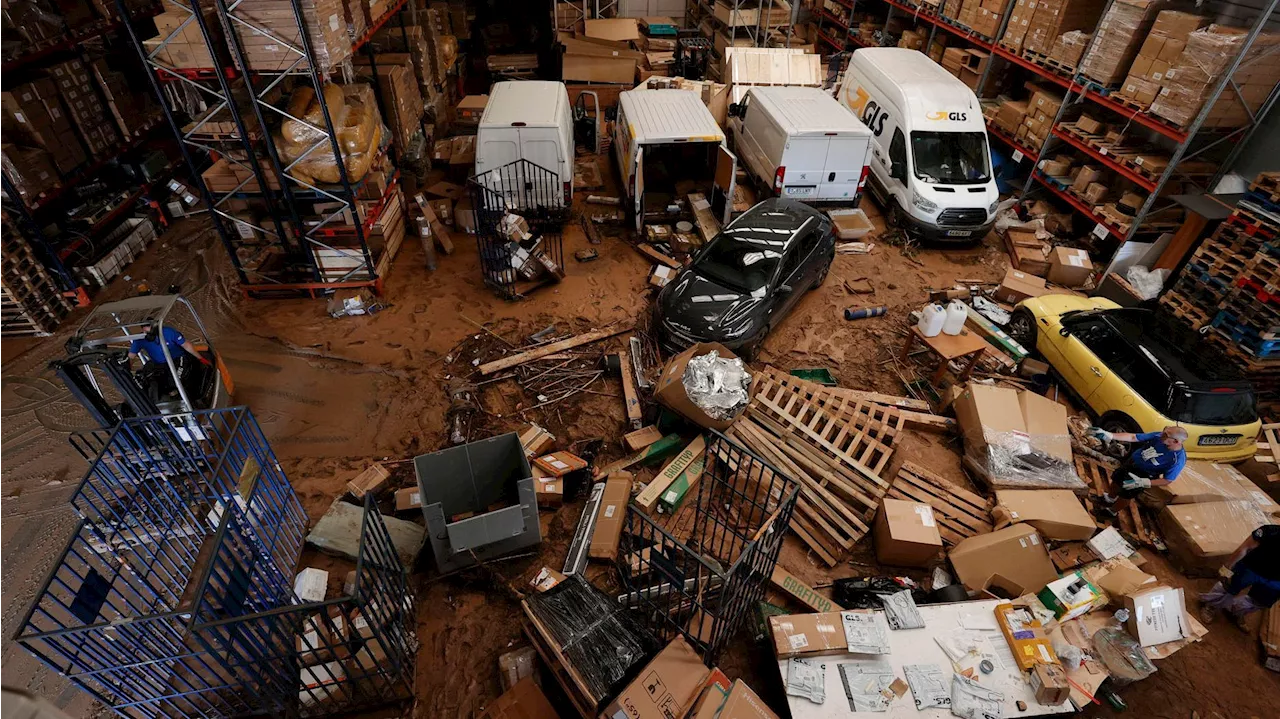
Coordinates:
[1097,475]
[959,512]
[913,413]
[1269,448]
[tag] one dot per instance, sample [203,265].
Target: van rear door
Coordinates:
[725,181]
[803,161]
[842,173]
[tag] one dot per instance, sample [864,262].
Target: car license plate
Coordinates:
[1218,440]
[959,233]
[801,191]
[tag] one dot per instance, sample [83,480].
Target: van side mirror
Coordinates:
[899,171]
[784,289]
[737,109]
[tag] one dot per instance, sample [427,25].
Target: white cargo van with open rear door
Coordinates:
[667,145]
[528,120]
[930,164]
[802,143]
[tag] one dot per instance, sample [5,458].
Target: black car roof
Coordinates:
[772,220]
[1177,350]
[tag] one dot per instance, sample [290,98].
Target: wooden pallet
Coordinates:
[959,512]
[1097,475]
[575,688]
[1268,450]
[1268,183]
[914,413]
[1185,309]
[1269,637]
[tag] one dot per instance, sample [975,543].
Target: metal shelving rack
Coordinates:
[287,245]
[30,217]
[758,34]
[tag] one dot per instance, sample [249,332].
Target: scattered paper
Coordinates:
[957,643]
[865,632]
[900,609]
[1108,544]
[970,700]
[981,622]
[928,687]
[864,681]
[807,678]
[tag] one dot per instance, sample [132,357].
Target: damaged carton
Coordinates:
[1157,615]
[1016,554]
[1057,513]
[611,516]
[665,688]
[712,393]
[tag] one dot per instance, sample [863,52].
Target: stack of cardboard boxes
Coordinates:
[271,49]
[1034,26]
[1162,48]
[401,97]
[186,47]
[1069,48]
[1042,108]
[129,110]
[1208,512]
[85,107]
[966,64]
[982,16]
[1207,55]
[34,116]
[1119,35]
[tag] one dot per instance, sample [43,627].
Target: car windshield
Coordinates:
[951,158]
[741,263]
[1217,406]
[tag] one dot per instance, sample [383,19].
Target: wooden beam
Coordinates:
[635,417]
[652,253]
[550,349]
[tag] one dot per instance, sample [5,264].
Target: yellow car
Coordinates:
[1139,371]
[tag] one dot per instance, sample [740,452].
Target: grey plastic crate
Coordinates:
[471,478]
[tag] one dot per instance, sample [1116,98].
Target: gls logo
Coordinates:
[862,105]
[953,116]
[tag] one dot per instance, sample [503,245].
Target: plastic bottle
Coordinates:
[932,318]
[957,315]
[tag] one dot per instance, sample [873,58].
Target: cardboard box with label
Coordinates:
[549,492]
[670,393]
[743,703]
[1046,424]
[1070,597]
[1201,536]
[1157,615]
[1050,685]
[1069,266]
[408,498]
[1018,286]
[1025,635]
[1015,554]
[906,534]
[610,516]
[665,688]
[1056,513]
[808,635]
[558,464]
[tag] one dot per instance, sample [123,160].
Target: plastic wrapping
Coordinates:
[1120,35]
[720,387]
[1123,656]
[971,700]
[1146,282]
[807,678]
[356,121]
[1207,55]
[595,634]
[1018,460]
[1201,536]
[30,169]
[1069,47]
[865,683]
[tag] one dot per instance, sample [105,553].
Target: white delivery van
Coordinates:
[667,145]
[528,120]
[801,142]
[930,165]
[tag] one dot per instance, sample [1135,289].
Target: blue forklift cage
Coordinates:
[175,596]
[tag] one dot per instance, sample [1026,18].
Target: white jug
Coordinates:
[932,318]
[956,317]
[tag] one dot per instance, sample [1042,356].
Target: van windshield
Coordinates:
[951,158]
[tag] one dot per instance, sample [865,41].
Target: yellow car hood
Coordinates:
[1054,305]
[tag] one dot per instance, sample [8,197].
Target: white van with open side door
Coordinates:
[802,143]
[667,145]
[528,120]
[930,165]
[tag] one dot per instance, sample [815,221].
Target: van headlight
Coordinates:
[992,210]
[923,203]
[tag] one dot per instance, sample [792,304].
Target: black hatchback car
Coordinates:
[744,281]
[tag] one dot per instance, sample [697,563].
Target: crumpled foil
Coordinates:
[720,387]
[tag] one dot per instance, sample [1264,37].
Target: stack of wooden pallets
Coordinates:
[31,304]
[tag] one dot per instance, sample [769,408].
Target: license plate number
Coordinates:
[801,191]
[959,233]
[1219,439]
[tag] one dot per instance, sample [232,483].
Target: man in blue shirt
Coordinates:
[151,345]
[1157,460]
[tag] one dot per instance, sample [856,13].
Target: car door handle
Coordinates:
[1097,372]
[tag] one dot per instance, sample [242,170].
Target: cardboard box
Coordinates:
[1010,115]
[670,393]
[1091,125]
[1058,597]
[808,635]
[1016,554]
[408,498]
[611,516]
[371,481]
[1177,24]
[1018,286]
[536,441]
[713,695]
[558,464]
[1031,260]
[657,487]
[1201,481]
[1046,423]
[666,687]
[546,578]
[471,108]
[1157,615]
[1049,682]
[1201,536]
[906,534]
[1087,175]
[1123,580]
[549,492]
[742,703]
[1056,513]
[522,701]
[1096,192]
[985,414]
[1025,635]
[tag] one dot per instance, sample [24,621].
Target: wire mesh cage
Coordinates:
[520,210]
[703,581]
[175,596]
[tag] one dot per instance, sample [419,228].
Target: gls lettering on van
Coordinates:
[867,109]
[953,116]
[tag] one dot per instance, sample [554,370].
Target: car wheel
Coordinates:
[1022,328]
[822,277]
[893,218]
[1118,422]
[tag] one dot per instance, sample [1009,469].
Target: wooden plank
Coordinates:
[976,523]
[854,394]
[824,467]
[976,503]
[800,526]
[652,253]
[566,676]
[822,442]
[550,349]
[632,400]
[800,592]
